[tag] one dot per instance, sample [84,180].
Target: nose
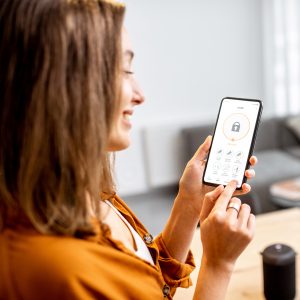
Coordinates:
[138,95]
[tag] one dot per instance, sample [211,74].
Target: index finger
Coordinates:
[225,196]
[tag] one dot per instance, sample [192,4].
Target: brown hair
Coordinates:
[59,66]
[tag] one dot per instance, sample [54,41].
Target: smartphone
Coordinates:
[233,141]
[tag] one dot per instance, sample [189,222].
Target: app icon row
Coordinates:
[226,169]
[229,154]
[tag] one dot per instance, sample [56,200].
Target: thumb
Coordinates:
[202,151]
[209,202]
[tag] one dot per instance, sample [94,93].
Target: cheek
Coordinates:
[126,92]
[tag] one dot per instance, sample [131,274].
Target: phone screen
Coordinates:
[233,141]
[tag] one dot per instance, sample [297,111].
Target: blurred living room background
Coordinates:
[188,56]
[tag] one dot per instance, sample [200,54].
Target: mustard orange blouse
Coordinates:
[35,266]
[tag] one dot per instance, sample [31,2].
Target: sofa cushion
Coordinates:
[267,135]
[294,150]
[273,166]
[274,133]
[293,123]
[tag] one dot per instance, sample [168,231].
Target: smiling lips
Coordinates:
[127,117]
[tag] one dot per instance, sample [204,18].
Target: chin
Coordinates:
[123,145]
[119,145]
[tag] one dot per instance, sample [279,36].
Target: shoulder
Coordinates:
[60,267]
[64,255]
[52,267]
[69,268]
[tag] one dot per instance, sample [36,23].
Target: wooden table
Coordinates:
[246,283]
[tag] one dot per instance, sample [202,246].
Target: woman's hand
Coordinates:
[191,188]
[188,203]
[227,227]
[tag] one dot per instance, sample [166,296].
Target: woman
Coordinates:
[67,94]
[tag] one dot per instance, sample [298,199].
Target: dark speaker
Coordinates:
[279,272]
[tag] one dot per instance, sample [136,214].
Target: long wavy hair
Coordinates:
[59,82]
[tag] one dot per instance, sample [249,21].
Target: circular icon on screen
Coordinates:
[236,127]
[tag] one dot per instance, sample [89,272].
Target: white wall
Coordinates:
[189,55]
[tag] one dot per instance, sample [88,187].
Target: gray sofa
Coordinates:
[278,152]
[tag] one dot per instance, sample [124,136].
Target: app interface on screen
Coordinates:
[232,140]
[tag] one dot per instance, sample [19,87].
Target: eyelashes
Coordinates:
[127,72]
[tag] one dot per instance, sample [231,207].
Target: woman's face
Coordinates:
[131,95]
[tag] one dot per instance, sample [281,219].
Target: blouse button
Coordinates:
[166,290]
[148,239]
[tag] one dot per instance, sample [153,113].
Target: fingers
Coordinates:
[246,188]
[223,200]
[233,209]
[242,220]
[253,160]
[209,201]
[202,151]
[250,173]
[227,233]
[243,216]
[251,223]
